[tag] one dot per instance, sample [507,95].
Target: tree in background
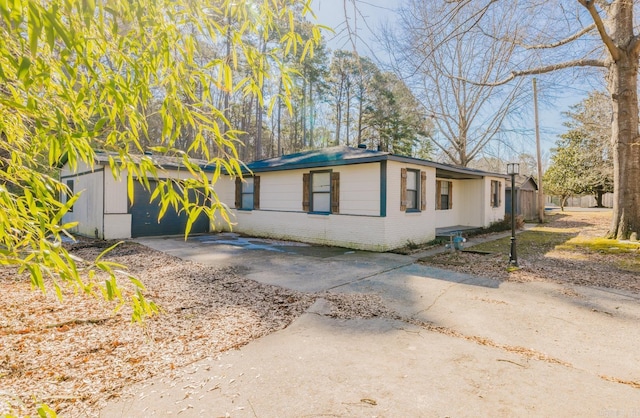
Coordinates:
[394,118]
[76,76]
[590,123]
[554,35]
[437,53]
[563,177]
[582,161]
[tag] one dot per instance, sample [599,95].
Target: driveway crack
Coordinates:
[371,275]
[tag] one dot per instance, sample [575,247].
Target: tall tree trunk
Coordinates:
[311,114]
[338,121]
[258,130]
[622,82]
[348,120]
[623,85]
[360,110]
[280,118]
[303,119]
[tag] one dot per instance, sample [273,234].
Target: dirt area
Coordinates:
[568,248]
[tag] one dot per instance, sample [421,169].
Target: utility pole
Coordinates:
[539,153]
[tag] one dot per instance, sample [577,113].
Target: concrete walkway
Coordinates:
[459,346]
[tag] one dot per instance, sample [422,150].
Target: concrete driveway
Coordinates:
[460,345]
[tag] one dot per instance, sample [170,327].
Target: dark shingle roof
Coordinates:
[317,158]
[342,155]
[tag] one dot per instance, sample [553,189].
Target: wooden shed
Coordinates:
[526,197]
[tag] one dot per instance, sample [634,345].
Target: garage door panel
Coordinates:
[144,216]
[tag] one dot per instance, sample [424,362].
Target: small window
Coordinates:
[496,194]
[248,193]
[412,190]
[321,192]
[444,198]
[69,193]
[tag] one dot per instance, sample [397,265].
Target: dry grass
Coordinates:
[569,248]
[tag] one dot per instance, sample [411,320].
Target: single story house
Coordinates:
[104,210]
[526,197]
[349,197]
[359,198]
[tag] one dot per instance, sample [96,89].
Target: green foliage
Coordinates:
[79,76]
[582,162]
[394,113]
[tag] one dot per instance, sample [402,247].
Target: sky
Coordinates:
[368,15]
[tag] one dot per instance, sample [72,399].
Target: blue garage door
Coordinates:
[144,217]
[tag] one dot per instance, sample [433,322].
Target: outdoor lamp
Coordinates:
[512,170]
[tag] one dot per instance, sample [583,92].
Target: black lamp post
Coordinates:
[512,170]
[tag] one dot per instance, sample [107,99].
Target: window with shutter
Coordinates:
[495,193]
[238,200]
[248,193]
[444,195]
[423,190]
[403,189]
[321,192]
[256,192]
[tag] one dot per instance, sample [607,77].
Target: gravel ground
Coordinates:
[578,266]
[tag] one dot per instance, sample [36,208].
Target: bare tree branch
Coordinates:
[611,46]
[543,70]
[563,41]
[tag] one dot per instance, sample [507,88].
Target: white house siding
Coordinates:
[117,220]
[87,210]
[358,225]
[360,189]
[471,201]
[357,232]
[279,191]
[402,226]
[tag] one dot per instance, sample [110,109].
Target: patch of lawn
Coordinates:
[534,242]
[600,245]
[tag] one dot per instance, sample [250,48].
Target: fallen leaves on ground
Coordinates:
[76,354]
[560,264]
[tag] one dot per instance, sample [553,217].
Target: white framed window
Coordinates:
[412,193]
[321,191]
[247,193]
[444,195]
